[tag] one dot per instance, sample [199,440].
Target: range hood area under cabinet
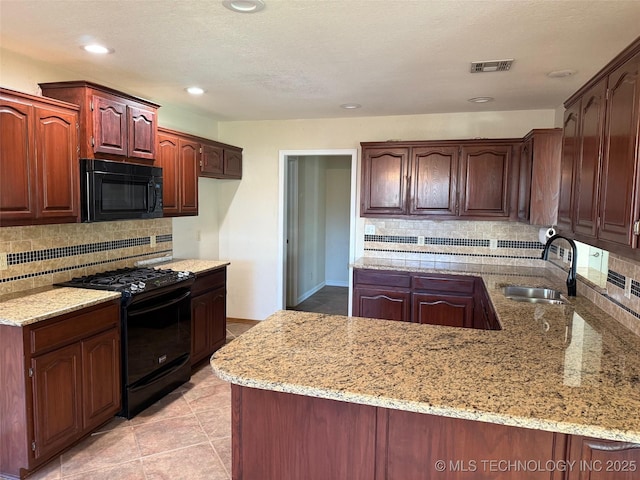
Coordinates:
[600,177]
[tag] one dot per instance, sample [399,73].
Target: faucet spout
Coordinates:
[571,278]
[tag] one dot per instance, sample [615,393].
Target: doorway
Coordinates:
[317,212]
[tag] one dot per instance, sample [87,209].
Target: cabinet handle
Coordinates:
[636,227]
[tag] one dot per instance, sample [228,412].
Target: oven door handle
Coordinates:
[132,312]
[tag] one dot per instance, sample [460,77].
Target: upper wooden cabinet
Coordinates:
[601,149]
[219,160]
[472,179]
[39,171]
[540,174]
[113,125]
[178,155]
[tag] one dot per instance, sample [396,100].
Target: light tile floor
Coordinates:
[186,435]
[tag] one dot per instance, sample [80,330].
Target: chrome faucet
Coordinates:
[571,278]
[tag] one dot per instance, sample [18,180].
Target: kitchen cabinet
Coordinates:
[38,160]
[540,174]
[435,299]
[602,130]
[602,459]
[219,160]
[178,155]
[113,124]
[61,379]
[208,314]
[443,300]
[463,179]
[570,154]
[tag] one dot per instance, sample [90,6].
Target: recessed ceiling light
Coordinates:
[350,106]
[195,90]
[561,73]
[99,49]
[481,99]
[244,6]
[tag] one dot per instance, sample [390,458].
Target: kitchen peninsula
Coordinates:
[320,396]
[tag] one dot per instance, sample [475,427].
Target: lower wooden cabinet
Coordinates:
[61,378]
[603,459]
[208,314]
[435,299]
[282,436]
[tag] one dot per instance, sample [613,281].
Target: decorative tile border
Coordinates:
[616,279]
[635,288]
[75,267]
[463,242]
[70,251]
[451,254]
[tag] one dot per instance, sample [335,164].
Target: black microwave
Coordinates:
[119,191]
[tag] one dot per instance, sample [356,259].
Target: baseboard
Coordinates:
[242,320]
[336,283]
[308,293]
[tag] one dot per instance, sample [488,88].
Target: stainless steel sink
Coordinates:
[533,295]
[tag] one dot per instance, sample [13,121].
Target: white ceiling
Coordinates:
[303,58]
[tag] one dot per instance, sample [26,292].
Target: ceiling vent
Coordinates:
[491,66]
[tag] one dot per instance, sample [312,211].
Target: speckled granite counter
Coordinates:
[563,368]
[34,306]
[193,265]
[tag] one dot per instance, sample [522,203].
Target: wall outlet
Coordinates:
[493,243]
[153,241]
[3,261]
[369,229]
[420,239]
[627,287]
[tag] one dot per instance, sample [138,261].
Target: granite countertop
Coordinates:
[193,265]
[564,368]
[39,304]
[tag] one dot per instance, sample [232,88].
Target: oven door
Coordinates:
[157,336]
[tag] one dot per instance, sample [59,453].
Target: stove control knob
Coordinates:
[133,287]
[141,285]
[183,274]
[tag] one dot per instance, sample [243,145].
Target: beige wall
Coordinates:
[249,213]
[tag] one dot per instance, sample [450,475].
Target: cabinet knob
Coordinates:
[636,227]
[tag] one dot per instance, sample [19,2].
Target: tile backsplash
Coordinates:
[45,254]
[504,243]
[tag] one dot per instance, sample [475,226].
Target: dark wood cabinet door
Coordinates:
[200,314]
[603,459]
[384,181]
[109,126]
[17,168]
[102,391]
[218,318]
[188,175]
[141,133]
[484,181]
[587,169]
[434,180]
[57,168]
[57,394]
[620,158]
[232,164]
[167,159]
[212,160]
[384,303]
[570,155]
[524,191]
[440,309]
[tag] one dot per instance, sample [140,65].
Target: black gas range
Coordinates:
[156,330]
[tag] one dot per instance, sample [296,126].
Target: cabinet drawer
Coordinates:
[208,281]
[381,278]
[73,327]
[445,284]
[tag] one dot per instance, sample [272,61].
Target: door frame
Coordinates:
[282,209]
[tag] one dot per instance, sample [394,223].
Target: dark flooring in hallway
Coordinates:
[331,300]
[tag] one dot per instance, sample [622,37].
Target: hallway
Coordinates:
[331,300]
